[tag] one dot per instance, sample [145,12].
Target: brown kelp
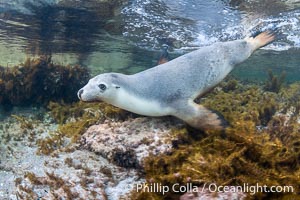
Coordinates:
[274,83]
[260,147]
[38,81]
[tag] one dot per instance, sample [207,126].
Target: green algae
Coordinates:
[261,146]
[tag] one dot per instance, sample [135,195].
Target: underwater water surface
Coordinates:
[129,40]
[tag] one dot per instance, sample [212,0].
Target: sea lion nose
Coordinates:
[80,93]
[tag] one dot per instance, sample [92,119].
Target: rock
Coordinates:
[76,174]
[127,143]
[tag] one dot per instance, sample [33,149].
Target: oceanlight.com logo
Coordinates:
[251,189]
[211,188]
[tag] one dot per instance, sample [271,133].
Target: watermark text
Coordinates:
[212,188]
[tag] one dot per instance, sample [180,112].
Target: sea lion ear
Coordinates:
[116,86]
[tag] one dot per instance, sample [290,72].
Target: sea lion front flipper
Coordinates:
[202,118]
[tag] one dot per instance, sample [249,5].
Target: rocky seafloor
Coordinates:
[102,165]
[105,163]
[54,147]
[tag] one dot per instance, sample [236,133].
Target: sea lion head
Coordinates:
[103,87]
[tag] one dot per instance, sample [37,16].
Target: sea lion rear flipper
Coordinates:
[202,118]
[262,39]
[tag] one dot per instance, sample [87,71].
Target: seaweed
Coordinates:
[61,112]
[51,143]
[262,146]
[274,83]
[25,124]
[33,178]
[292,95]
[231,84]
[39,81]
[126,159]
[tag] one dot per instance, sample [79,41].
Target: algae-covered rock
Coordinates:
[128,143]
[77,175]
[98,151]
[58,169]
[261,145]
[73,120]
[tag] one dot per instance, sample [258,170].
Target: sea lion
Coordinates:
[171,88]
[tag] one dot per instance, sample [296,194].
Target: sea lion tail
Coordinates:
[261,39]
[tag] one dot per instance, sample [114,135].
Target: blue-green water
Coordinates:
[128,37]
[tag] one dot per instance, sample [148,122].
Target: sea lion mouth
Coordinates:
[84,97]
[79,93]
[91,101]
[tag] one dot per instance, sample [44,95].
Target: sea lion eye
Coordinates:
[102,86]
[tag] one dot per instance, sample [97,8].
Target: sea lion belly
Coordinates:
[138,105]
